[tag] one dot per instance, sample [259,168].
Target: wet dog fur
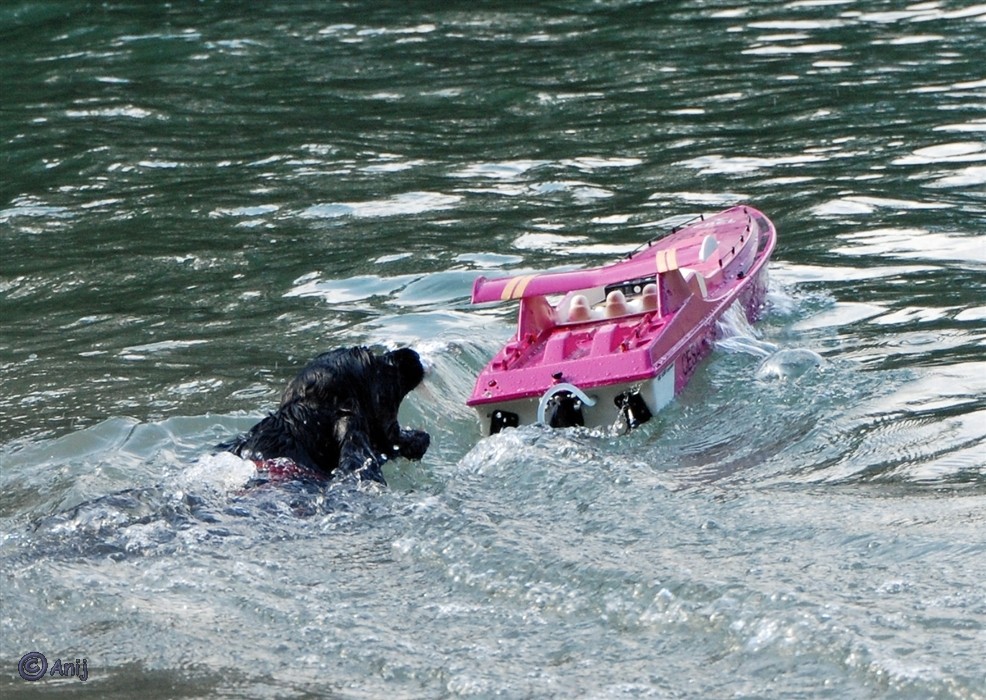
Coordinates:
[339,415]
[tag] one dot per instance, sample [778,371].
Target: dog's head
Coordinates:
[410,371]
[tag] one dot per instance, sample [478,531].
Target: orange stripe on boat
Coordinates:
[509,288]
[667,260]
[522,285]
[515,287]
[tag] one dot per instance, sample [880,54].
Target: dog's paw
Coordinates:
[414,444]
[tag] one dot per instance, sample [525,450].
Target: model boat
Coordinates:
[613,345]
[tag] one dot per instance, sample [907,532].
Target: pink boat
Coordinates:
[613,345]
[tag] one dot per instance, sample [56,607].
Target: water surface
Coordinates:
[196,198]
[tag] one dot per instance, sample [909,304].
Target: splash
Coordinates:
[736,334]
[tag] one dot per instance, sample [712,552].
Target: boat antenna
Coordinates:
[670,232]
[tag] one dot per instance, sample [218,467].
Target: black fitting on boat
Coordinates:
[564,410]
[503,419]
[630,288]
[633,409]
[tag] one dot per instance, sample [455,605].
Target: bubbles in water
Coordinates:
[789,363]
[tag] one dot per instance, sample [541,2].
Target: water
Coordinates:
[196,198]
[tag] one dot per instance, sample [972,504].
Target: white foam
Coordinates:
[223,471]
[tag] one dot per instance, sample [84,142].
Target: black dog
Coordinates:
[340,413]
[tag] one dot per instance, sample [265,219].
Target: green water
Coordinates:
[195,198]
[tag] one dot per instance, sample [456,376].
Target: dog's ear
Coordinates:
[409,367]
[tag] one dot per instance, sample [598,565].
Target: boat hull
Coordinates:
[625,338]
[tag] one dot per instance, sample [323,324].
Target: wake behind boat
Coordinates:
[618,342]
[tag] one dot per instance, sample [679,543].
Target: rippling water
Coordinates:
[195,198]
